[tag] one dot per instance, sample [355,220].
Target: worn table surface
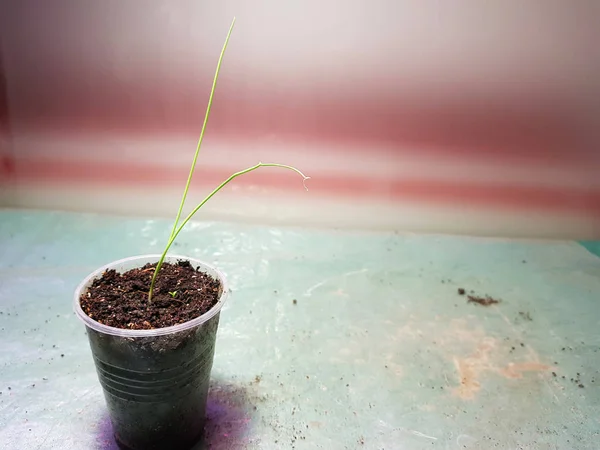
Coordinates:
[377,351]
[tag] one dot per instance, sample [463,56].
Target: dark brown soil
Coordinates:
[461,291]
[181,294]
[483,301]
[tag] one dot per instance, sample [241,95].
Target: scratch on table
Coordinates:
[446,379]
[418,433]
[310,290]
[48,435]
[14,413]
[8,405]
[308,293]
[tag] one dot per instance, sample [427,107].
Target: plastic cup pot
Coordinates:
[155,382]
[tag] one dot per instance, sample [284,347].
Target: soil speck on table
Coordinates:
[525,315]
[461,291]
[483,301]
[295,302]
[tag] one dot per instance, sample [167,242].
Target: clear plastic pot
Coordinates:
[155,381]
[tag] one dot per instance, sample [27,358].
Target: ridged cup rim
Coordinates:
[204,267]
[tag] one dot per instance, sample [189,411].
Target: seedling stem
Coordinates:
[176,227]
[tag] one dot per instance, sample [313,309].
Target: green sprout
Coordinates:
[173,294]
[178,227]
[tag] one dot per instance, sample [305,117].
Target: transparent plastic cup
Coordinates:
[156,381]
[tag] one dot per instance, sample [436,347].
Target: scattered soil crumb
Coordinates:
[257,379]
[525,315]
[483,301]
[295,302]
[461,291]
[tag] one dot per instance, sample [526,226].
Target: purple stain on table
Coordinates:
[105,439]
[228,417]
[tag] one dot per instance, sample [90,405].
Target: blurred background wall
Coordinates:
[464,116]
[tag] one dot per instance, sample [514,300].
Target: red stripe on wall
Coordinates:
[457,194]
[7,161]
[7,167]
[525,131]
[4,122]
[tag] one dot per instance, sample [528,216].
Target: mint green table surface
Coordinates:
[378,351]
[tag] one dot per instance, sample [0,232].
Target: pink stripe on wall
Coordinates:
[342,186]
[520,132]
[7,161]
